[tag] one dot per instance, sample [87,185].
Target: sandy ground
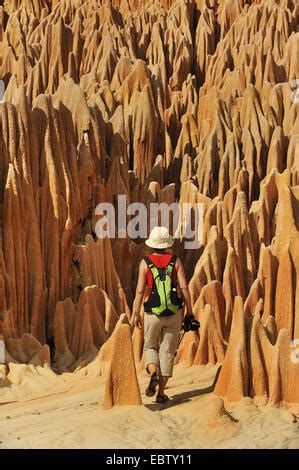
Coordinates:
[42,410]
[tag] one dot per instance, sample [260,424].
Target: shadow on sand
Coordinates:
[185,396]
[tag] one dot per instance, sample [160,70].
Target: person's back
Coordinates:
[163,275]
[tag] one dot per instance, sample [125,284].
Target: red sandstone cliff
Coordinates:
[164,100]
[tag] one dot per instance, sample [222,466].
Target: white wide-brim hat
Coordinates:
[159,238]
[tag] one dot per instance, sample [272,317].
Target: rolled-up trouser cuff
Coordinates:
[166,364]
[151,356]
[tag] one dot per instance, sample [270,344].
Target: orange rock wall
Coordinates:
[160,101]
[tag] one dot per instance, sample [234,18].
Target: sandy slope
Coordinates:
[66,412]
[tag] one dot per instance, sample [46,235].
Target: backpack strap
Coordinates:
[148,261]
[172,262]
[154,270]
[171,265]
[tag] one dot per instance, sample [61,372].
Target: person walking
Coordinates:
[162,275]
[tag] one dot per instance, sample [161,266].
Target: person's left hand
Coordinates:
[137,320]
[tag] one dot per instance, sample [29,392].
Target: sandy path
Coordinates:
[69,415]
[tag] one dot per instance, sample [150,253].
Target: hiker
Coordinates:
[163,275]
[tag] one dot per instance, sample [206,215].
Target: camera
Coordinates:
[190,324]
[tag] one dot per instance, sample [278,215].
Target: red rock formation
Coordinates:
[78,331]
[27,350]
[122,385]
[159,101]
[211,348]
[233,379]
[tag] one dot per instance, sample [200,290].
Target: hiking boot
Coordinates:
[161,398]
[153,383]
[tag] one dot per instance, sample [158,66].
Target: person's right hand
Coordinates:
[137,320]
